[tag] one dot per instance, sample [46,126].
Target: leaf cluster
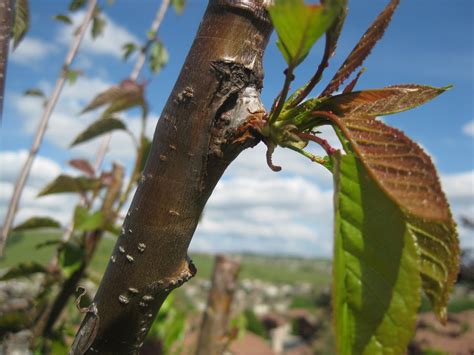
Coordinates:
[387,192]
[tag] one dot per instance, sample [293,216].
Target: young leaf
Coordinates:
[333,33]
[34,92]
[332,36]
[376,281]
[128,49]
[406,174]
[23,270]
[299,26]
[70,258]
[72,75]
[128,91]
[82,165]
[158,56]
[21,22]
[363,48]
[178,5]
[76,4]
[67,184]
[85,221]
[98,128]
[37,222]
[98,25]
[380,102]
[63,18]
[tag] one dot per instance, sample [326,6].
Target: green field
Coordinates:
[22,247]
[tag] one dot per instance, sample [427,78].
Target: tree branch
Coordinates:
[200,132]
[213,336]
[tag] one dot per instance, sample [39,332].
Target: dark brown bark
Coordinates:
[6,22]
[194,142]
[214,333]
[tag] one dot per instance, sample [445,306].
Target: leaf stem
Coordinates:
[284,93]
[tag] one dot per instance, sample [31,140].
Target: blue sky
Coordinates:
[428,42]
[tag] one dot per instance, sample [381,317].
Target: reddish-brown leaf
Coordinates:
[82,165]
[362,49]
[380,102]
[407,175]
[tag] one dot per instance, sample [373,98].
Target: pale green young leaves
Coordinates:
[300,25]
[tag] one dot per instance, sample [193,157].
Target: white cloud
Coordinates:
[109,43]
[276,214]
[468,128]
[459,188]
[42,172]
[32,50]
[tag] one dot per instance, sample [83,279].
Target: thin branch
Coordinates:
[153,29]
[53,99]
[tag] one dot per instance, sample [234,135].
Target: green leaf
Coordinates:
[37,222]
[71,257]
[34,92]
[98,128]
[98,25]
[75,5]
[128,49]
[363,48]
[380,102]
[23,270]
[178,5]
[408,177]
[63,18]
[158,56]
[85,221]
[299,26]
[21,22]
[67,184]
[47,243]
[376,281]
[72,75]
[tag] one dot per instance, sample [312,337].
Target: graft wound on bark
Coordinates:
[198,134]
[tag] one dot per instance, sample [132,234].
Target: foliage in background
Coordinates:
[102,195]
